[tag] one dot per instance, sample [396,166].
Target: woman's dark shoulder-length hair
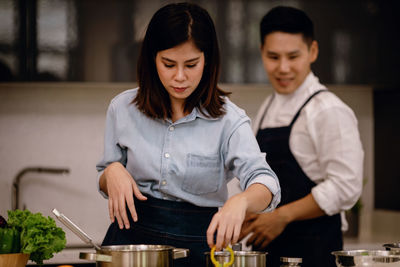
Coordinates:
[170,26]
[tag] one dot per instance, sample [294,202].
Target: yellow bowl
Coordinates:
[14,260]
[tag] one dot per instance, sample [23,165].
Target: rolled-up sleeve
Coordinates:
[248,163]
[341,158]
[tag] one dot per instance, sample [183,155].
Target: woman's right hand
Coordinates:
[120,188]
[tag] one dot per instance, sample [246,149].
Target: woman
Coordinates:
[172,145]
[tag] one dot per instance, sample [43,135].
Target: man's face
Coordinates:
[287,60]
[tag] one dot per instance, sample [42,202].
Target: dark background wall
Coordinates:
[99,40]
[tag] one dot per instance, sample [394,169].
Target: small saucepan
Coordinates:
[236,258]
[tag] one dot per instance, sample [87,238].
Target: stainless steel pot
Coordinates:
[395,247]
[241,258]
[135,255]
[126,255]
[370,258]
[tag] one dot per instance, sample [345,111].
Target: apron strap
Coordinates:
[295,116]
[305,103]
[265,111]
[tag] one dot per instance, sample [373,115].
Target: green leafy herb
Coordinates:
[40,236]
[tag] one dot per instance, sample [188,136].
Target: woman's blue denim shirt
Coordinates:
[191,159]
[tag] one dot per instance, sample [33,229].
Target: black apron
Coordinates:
[165,222]
[315,239]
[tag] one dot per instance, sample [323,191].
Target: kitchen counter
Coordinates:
[68,256]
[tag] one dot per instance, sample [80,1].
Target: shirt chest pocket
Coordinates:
[202,174]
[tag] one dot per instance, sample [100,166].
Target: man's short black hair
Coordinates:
[289,20]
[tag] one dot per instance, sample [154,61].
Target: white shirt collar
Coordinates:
[285,106]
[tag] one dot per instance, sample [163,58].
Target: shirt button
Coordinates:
[171,128]
[164,182]
[167,155]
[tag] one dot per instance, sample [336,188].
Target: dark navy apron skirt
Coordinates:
[164,222]
[315,239]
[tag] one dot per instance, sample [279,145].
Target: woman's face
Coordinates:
[180,69]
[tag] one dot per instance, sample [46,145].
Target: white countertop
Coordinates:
[67,255]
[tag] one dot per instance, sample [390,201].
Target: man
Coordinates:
[311,141]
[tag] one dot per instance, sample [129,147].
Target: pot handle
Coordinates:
[180,253]
[95,257]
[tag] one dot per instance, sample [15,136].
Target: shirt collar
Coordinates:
[195,114]
[206,116]
[308,82]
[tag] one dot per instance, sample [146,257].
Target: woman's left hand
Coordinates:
[227,222]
